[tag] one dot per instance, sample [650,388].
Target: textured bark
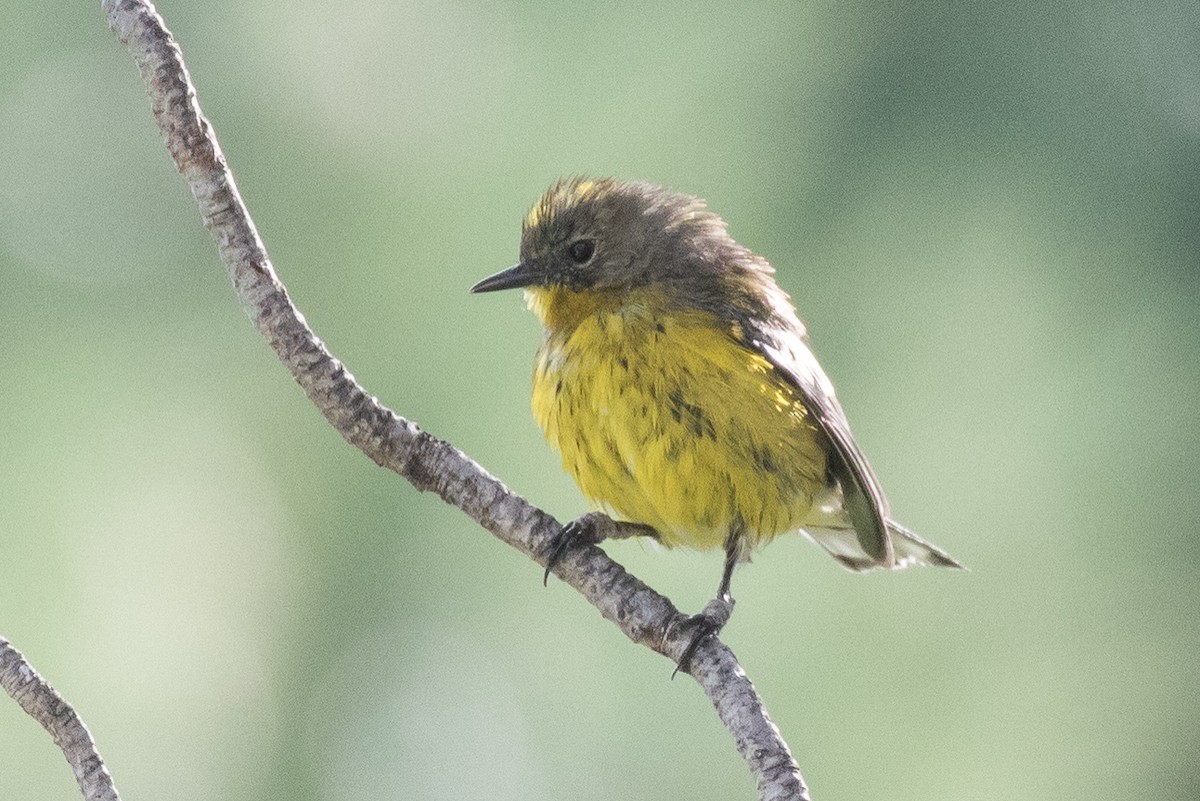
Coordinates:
[47,707]
[431,464]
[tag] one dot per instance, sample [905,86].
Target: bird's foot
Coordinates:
[707,624]
[592,528]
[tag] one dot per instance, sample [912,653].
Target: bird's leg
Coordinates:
[591,529]
[716,613]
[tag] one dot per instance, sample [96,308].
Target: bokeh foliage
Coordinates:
[989,215]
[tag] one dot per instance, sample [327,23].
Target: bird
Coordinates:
[677,383]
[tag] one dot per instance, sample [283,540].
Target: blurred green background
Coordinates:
[988,215]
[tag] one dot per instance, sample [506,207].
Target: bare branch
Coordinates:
[47,707]
[399,445]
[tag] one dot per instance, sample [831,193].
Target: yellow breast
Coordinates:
[665,419]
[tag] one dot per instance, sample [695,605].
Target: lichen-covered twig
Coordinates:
[47,707]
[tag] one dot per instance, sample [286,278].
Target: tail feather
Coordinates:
[843,545]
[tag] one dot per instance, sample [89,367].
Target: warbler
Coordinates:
[677,383]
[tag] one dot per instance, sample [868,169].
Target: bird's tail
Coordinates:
[843,545]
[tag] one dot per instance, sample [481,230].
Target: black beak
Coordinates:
[519,275]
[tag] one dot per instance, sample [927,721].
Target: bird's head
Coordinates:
[591,241]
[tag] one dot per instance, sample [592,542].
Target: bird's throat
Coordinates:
[561,309]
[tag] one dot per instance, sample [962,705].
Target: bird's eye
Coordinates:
[581,250]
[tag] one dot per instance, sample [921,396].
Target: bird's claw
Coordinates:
[572,534]
[707,624]
[592,528]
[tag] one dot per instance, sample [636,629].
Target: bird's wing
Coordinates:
[862,497]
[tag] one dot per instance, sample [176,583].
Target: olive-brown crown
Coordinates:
[609,235]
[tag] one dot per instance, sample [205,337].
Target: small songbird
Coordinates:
[677,383]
